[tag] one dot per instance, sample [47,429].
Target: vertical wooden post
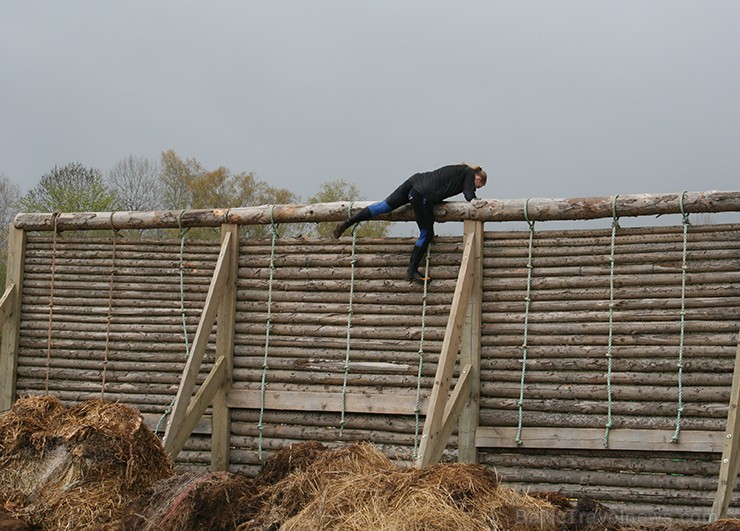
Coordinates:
[12,325]
[730,459]
[221,419]
[470,349]
[437,425]
[188,409]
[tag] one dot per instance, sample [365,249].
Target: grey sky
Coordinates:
[553,98]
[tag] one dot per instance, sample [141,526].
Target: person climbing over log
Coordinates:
[423,191]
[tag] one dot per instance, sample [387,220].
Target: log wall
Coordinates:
[114,328]
[565,387]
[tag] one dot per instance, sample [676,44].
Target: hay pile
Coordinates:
[359,488]
[75,467]
[190,502]
[97,466]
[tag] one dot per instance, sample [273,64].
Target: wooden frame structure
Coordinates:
[448,406]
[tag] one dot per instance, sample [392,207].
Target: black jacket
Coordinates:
[445,182]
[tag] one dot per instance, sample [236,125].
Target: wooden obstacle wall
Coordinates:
[104,319]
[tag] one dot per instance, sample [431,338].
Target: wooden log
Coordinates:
[503,418]
[612,461]
[648,392]
[649,352]
[647,366]
[246,419]
[594,406]
[647,338]
[538,209]
[626,235]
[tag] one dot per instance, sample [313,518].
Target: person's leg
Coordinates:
[424,213]
[399,197]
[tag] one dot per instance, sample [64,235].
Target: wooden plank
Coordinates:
[593,439]
[392,403]
[467,452]
[431,438]
[458,399]
[197,407]
[12,320]
[200,342]
[731,448]
[7,303]
[221,439]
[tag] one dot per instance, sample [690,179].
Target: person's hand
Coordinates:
[478,203]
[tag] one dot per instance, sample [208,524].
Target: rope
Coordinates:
[527,301]
[268,326]
[349,324]
[183,232]
[686,224]
[114,234]
[417,407]
[54,218]
[615,226]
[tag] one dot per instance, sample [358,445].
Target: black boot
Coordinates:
[412,274]
[340,228]
[362,215]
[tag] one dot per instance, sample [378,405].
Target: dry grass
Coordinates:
[96,466]
[190,502]
[358,488]
[76,467]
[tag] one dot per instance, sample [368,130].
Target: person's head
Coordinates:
[480,176]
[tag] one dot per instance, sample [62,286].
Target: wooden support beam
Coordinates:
[396,402]
[197,406]
[11,319]
[432,436]
[221,438]
[7,303]
[458,399]
[731,448]
[216,292]
[539,209]
[593,439]
[467,452]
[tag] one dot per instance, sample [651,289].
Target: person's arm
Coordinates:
[469,185]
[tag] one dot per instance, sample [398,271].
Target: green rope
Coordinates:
[417,407]
[615,226]
[527,301]
[342,421]
[268,326]
[183,232]
[686,224]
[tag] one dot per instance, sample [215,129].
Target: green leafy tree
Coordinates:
[187,184]
[70,188]
[175,178]
[340,190]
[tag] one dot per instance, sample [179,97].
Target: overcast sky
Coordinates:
[554,98]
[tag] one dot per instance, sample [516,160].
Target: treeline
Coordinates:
[170,183]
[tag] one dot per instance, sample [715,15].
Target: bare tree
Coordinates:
[9,196]
[135,181]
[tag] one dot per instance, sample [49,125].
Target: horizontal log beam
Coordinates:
[538,209]
[395,403]
[593,439]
